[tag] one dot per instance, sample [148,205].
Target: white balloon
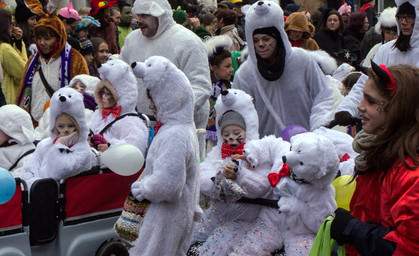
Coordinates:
[124,159]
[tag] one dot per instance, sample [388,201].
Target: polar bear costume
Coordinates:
[42,130]
[55,160]
[117,76]
[224,224]
[182,47]
[171,172]
[299,96]
[17,124]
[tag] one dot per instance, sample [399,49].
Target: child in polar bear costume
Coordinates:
[85,85]
[306,196]
[224,223]
[66,152]
[16,138]
[116,96]
[170,180]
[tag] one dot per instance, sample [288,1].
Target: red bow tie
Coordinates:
[227,150]
[344,158]
[274,178]
[115,111]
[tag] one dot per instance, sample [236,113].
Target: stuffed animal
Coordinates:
[304,186]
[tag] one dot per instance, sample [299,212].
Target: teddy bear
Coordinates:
[304,186]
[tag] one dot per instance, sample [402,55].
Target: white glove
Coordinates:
[135,191]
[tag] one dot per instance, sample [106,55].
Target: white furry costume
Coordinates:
[42,130]
[17,124]
[389,56]
[224,224]
[303,207]
[170,179]
[301,94]
[182,47]
[55,160]
[130,129]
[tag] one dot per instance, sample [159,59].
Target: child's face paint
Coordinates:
[107,99]
[233,135]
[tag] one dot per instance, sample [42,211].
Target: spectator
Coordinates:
[226,20]
[124,27]
[330,36]
[354,33]
[70,18]
[26,20]
[368,8]
[100,55]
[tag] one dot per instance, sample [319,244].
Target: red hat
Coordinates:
[96,5]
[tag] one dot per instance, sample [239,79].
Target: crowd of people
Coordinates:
[231,76]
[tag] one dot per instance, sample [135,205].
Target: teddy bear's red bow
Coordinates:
[274,178]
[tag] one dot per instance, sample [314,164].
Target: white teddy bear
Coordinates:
[303,186]
[307,196]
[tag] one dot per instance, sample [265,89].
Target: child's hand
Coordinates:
[102,147]
[68,140]
[241,157]
[230,172]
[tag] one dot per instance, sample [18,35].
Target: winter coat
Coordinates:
[388,55]
[330,41]
[353,41]
[17,124]
[276,101]
[13,63]
[386,201]
[182,47]
[56,160]
[171,173]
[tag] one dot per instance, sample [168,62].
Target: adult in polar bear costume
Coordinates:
[118,79]
[159,35]
[287,85]
[171,178]
[63,154]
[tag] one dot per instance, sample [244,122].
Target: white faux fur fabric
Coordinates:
[171,172]
[55,160]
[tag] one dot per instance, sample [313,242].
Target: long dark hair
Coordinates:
[399,136]
[5,22]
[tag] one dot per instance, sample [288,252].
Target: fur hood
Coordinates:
[262,15]
[117,76]
[17,124]
[387,19]
[298,21]
[158,8]
[242,103]
[50,20]
[89,81]
[170,89]
[69,101]
[414,39]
